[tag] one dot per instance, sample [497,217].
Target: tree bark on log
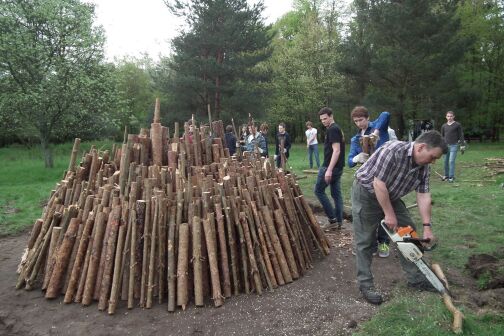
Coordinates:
[196,259]
[54,286]
[109,259]
[211,243]
[116,280]
[183,265]
[79,260]
[87,296]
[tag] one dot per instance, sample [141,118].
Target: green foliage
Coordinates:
[304,64]
[52,79]
[401,57]
[216,61]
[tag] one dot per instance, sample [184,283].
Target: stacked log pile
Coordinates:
[495,165]
[170,219]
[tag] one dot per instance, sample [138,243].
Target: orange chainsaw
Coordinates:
[411,247]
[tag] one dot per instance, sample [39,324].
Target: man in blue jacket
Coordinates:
[377,131]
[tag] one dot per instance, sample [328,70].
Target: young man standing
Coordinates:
[377,131]
[453,135]
[230,140]
[312,144]
[331,170]
[393,171]
[282,139]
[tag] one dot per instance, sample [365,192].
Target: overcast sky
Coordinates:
[146,26]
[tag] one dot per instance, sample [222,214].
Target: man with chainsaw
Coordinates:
[393,171]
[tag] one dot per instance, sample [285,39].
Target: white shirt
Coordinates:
[310,133]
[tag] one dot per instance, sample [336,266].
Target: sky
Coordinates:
[134,27]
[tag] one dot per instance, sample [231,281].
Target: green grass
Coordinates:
[25,184]
[467,219]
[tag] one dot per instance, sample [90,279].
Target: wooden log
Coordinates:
[211,243]
[162,247]
[232,245]
[458,317]
[171,264]
[35,232]
[73,255]
[315,226]
[116,281]
[108,267]
[33,265]
[286,244]
[135,276]
[73,156]
[253,263]
[85,266]
[183,265]
[278,277]
[224,262]
[286,274]
[79,260]
[197,261]
[94,261]
[263,249]
[64,252]
[152,257]
[55,233]
[146,246]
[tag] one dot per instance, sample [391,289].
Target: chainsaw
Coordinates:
[411,247]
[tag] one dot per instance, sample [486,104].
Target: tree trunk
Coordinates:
[46,151]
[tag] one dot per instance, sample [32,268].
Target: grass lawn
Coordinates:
[468,218]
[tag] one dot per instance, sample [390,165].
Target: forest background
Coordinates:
[416,59]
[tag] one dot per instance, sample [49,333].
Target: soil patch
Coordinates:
[325,301]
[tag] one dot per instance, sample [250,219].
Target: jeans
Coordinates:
[449,162]
[313,149]
[367,215]
[335,185]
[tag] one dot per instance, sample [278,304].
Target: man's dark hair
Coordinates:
[325,110]
[359,112]
[229,128]
[282,124]
[433,139]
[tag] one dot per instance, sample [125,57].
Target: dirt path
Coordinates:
[323,302]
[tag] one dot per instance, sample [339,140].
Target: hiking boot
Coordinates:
[333,224]
[383,250]
[423,286]
[371,295]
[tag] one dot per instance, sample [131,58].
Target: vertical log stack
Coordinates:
[155,221]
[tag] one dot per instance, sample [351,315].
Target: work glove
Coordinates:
[285,150]
[462,149]
[360,158]
[374,139]
[275,157]
[260,150]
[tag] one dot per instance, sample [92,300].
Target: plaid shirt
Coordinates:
[393,164]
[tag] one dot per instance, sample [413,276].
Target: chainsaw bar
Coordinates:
[413,253]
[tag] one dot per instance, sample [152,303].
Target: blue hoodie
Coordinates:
[382,124]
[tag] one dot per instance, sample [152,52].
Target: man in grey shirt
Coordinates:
[454,136]
[393,171]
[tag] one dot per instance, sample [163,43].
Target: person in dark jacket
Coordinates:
[454,137]
[282,139]
[230,140]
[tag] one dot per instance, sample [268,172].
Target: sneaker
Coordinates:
[383,250]
[422,286]
[333,224]
[444,178]
[371,295]
[450,180]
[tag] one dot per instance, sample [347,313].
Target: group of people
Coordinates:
[252,140]
[389,170]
